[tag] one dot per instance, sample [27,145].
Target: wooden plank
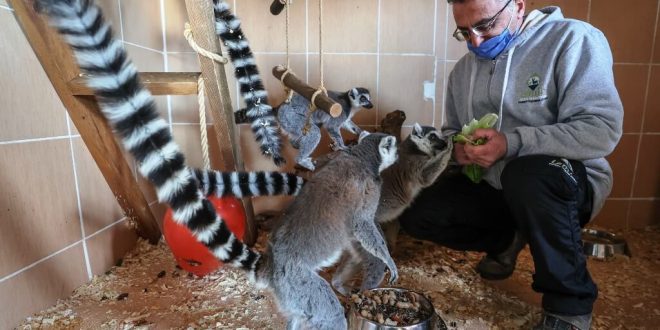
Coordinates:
[202,23]
[159,83]
[55,57]
[321,101]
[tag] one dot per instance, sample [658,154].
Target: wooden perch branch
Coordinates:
[321,101]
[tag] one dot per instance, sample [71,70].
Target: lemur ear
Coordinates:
[353,93]
[417,129]
[363,134]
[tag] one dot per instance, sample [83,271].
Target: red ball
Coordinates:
[192,255]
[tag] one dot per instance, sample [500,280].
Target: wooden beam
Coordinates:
[57,61]
[202,23]
[158,83]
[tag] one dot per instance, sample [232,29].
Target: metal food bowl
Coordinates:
[433,322]
[603,245]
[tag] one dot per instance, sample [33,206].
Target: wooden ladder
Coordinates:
[63,72]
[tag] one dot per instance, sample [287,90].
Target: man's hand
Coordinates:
[459,154]
[487,154]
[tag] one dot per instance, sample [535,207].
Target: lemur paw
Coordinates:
[394,274]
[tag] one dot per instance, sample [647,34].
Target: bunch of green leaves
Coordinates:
[474,171]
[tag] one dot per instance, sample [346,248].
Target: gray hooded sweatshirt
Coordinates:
[553,89]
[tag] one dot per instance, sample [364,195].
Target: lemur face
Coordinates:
[428,139]
[360,98]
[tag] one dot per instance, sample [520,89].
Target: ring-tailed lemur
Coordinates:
[292,116]
[334,212]
[130,109]
[317,227]
[423,156]
[293,119]
[257,111]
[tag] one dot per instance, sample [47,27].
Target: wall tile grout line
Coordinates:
[32,265]
[142,47]
[166,66]
[236,86]
[121,21]
[378,36]
[50,138]
[81,219]
[644,110]
[445,73]
[306,41]
[435,61]
[106,227]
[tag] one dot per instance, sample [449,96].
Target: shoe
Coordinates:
[501,266]
[563,322]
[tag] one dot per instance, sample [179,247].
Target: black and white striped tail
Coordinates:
[130,108]
[248,184]
[258,112]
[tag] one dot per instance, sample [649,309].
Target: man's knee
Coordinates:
[528,178]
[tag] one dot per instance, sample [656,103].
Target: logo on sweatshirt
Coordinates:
[534,91]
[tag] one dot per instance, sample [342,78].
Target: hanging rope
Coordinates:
[187,33]
[202,123]
[321,89]
[287,90]
[321,45]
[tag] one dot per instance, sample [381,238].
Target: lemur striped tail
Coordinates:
[248,184]
[130,109]
[259,113]
[241,117]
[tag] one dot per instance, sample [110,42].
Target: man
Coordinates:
[550,81]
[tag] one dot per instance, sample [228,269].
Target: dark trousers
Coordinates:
[547,199]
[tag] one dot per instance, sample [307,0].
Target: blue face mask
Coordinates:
[492,47]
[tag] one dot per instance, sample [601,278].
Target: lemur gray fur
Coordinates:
[323,221]
[292,116]
[423,156]
[334,212]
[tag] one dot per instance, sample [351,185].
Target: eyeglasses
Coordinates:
[481,29]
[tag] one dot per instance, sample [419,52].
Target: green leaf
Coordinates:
[474,172]
[488,120]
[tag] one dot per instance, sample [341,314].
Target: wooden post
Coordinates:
[321,101]
[202,23]
[57,61]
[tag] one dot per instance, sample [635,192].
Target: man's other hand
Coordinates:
[487,154]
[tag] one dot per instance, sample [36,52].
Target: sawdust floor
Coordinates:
[148,291]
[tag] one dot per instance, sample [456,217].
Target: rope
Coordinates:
[202,123]
[321,89]
[287,90]
[321,43]
[187,33]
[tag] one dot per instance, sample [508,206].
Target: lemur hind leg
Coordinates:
[349,266]
[310,302]
[307,143]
